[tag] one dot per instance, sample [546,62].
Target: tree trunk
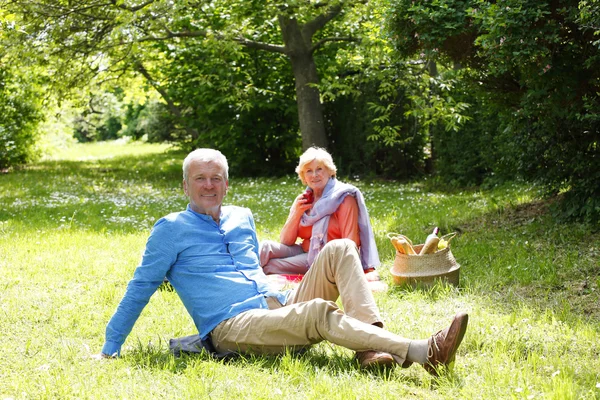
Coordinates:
[433,128]
[176,111]
[310,109]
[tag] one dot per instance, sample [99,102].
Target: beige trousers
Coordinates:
[311,314]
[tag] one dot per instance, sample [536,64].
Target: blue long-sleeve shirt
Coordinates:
[213,267]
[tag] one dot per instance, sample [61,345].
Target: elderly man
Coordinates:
[209,253]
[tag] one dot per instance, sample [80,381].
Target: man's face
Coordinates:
[205,187]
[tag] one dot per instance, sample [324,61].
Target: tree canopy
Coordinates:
[535,65]
[81,39]
[473,92]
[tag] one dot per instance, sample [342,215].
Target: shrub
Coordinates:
[19,118]
[533,69]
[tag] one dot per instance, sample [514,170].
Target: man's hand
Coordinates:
[101,356]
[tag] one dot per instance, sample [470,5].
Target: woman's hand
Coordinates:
[289,232]
[301,204]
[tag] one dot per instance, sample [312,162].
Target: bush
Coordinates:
[101,119]
[349,127]
[155,123]
[19,117]
[236,105]
[533,69]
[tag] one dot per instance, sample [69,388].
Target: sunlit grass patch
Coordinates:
[72,231]
[106,150]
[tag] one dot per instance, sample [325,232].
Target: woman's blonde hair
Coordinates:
[315,154]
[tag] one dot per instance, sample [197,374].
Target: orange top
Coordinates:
[343,224]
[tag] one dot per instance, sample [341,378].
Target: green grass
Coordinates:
[72,230]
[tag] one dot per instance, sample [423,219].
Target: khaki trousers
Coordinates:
[311,314]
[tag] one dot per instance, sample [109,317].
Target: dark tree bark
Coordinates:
[310,109]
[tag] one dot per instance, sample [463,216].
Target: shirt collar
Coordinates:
[204,217]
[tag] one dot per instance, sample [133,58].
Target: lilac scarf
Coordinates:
[318,216]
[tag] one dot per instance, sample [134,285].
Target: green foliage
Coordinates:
[102,118]
[110,114]
[398,104]
[20,114]
[352,123]
[240,102]
[374,99]
[589,18]
[116,39]
[489,90]
[218,94]
[151,121]
[431,26]
[469,156]
[534,66]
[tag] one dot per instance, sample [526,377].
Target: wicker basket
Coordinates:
[427,268]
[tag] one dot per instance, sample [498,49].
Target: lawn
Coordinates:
[72,230]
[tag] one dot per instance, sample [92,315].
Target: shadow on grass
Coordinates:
[300,368]
[307,363]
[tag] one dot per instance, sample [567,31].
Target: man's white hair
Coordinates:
[206,155]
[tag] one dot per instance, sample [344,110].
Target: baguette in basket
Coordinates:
[424,268]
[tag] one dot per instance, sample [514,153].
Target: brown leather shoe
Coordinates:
[443,345]
[374,359]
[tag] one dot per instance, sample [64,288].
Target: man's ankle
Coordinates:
[417,351]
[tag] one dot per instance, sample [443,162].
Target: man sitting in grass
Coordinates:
[209,253]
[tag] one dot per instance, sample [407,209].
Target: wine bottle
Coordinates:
[431,243]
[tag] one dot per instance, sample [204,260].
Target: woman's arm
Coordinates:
[347,214]
[289,232]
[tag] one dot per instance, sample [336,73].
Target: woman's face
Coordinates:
[316,175]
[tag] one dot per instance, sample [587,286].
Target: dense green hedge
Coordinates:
[19,118]
[531,71]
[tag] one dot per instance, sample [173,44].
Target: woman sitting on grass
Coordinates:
[327,210]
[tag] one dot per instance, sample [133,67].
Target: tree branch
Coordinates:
[91,106]
[132,8]
[322,42]
[141,69]
[171,35]
[259,45]
[172,107]
[311,27]
[240,40]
